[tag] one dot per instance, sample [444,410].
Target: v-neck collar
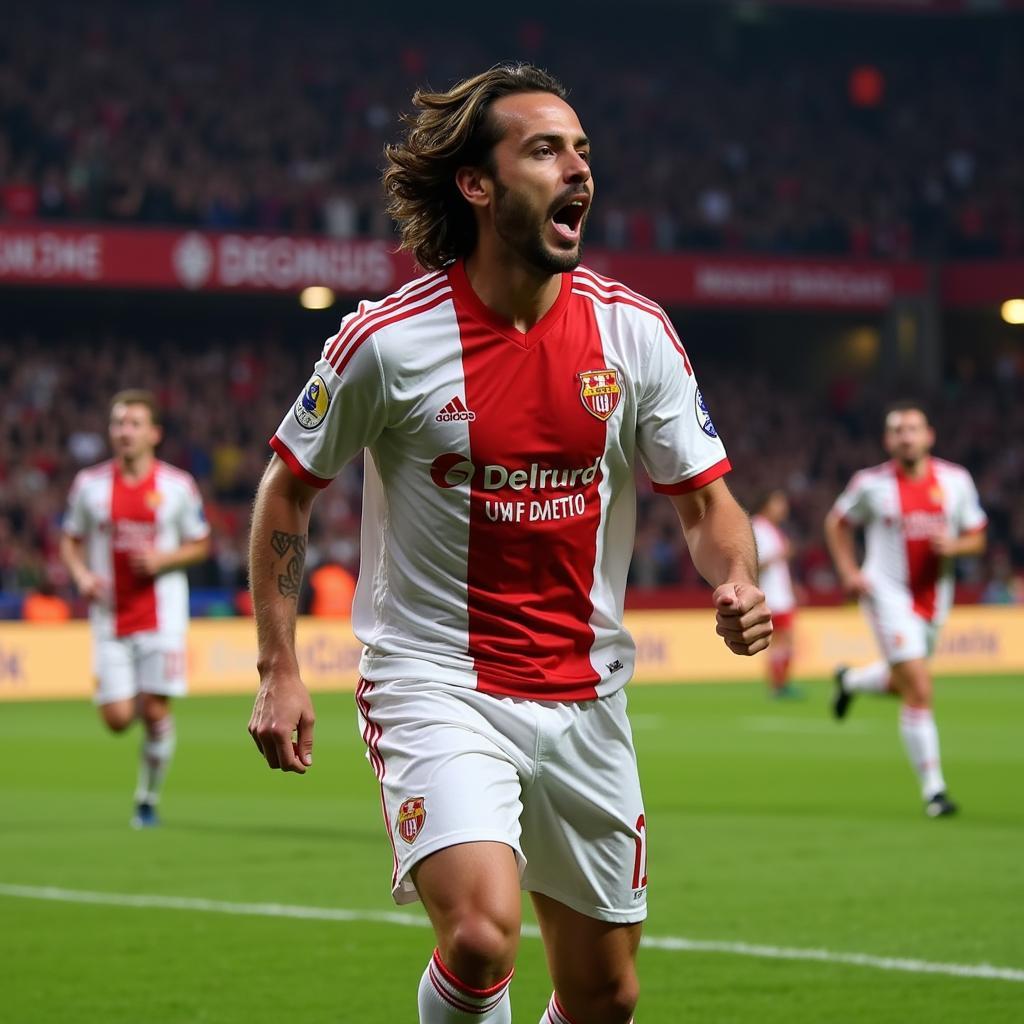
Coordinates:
[466,297]
[133,485]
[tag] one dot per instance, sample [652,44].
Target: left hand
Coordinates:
[146,563]
[743,618]
[943,544]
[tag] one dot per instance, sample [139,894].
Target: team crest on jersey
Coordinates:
[312,405]
[703,416]
[600,392]
[154,499]
[411,816]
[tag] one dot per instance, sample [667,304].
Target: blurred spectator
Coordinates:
[872,138]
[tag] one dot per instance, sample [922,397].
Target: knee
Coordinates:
[117,720]
[481,948]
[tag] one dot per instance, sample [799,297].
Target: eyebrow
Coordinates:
[553,137]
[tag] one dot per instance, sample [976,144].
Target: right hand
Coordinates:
[856,584]
[90,586]
[283,707]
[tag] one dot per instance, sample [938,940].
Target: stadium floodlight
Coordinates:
[316,296]
[1013,311]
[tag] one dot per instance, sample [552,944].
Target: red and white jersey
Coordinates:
[900,516]
[499,500]
[115,518]
[776,583]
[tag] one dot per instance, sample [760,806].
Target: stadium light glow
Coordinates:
[316,296]
[1013,311]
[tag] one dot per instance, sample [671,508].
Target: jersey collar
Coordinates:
[474,306]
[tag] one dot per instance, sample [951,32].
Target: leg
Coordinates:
[912,681]
[471,894]
[155,755]
[592,964]
[118,714]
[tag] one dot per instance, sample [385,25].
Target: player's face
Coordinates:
[542,187]
[908,437]
[778,507]
[132,431]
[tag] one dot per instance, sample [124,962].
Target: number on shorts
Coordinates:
[174,664]
[640,860]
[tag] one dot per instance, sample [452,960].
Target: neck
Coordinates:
[916,469]
[135,467]
[508,286]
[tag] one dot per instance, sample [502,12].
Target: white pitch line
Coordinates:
[664,942]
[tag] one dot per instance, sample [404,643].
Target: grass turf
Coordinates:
[769,824]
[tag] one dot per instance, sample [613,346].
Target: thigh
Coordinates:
[584,828]
[114,665]
[446,777]
[160,664]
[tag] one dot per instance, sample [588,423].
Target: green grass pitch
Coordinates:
[769,825]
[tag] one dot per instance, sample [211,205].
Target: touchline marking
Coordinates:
[665,942]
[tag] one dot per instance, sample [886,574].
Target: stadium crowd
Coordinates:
[222,401]
[704,139]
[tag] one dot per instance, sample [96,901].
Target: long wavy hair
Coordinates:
[449,130]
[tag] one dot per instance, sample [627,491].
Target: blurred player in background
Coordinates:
[132,526]
[918,514]
[502,398]
[773,550]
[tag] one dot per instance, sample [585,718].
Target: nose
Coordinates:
[577,169]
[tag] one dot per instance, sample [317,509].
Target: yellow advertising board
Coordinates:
[55,661]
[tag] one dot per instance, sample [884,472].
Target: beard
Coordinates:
[518,227]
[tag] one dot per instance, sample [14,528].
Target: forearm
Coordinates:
[71,556]
[839,539]
[190,553]
[718,535]
[277,553]
[970,544]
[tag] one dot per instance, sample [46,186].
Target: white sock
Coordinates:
[154,758]
[873,678]
[443,999]
[554,1014]
[921,739]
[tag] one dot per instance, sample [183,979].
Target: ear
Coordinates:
[475,185]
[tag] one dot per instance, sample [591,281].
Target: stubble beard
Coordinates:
[516,225]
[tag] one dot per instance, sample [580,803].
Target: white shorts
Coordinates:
[901,633]
[140,663]
[555,781]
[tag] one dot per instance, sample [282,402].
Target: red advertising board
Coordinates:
[206,261]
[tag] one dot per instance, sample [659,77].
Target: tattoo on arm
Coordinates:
[290,580]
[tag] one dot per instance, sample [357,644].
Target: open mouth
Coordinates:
[568,218]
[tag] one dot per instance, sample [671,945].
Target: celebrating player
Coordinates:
[918,513]
[502,399]
[132,526]
[773,549]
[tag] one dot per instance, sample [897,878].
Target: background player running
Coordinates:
[502,400]
[918,514]
[771,510]
[132,526]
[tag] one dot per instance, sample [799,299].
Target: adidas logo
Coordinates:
[455,410]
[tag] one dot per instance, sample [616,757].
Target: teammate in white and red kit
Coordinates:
[502,401]
[773,551]
[132,526]
[918,514]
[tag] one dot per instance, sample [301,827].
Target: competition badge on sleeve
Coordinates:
[600,392]
[411,816]
[312,404]
[703,416]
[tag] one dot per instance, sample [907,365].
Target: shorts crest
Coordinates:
[411,816]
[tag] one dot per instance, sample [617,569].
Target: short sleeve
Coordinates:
[970,515]
[852,505]
[340,410]
[192,519]
[676,437]
[76,513]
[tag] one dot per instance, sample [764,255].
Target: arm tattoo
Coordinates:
[290,580]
